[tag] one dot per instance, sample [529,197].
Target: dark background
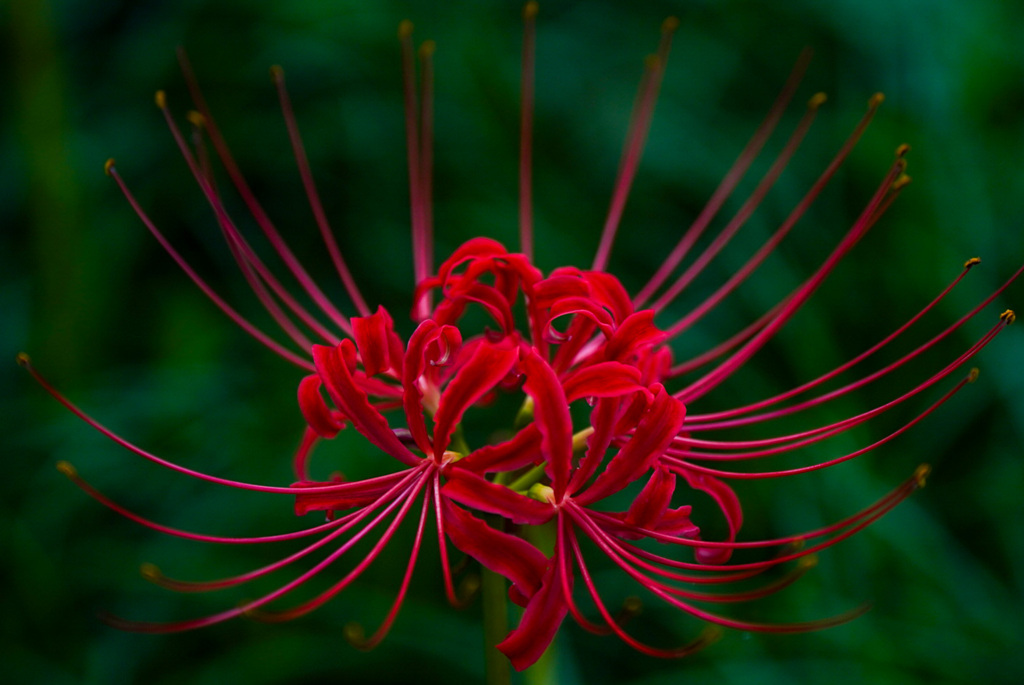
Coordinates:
[109,318]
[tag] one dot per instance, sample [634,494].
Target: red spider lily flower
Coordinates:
[609,428]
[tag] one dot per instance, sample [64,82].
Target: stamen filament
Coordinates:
[729,181]
[302,162]
[654,70]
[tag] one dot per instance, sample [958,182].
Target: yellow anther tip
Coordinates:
[973,375]
[404,29]
[196,119]
[876,99]
[902,150]
[817,100]
[428,48]
[921,474]
[150,572]
[355,635]
[809,561]
[22,359]
[632,605]
[530,10]
[160,99]
[108,165]
[670,24]
[711,634]
[276,73]
[973,261]
[902,182]
[67,469]
[1008,317]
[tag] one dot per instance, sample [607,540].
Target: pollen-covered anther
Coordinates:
[632,606]
[23,359]
[151,572]
[404,29]
[808,562]
[355,635]
[973,375]
[670,24]
[902,150]
[710,635]
[973,261]
[817,100]
[530,10]
[921,474]
[1008,317]
[108,166]
[902,181]
[427,49]
[67,469]
[876,100]
[160,98]
[276,73]
[196,119]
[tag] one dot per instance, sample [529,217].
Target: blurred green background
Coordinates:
[109,318]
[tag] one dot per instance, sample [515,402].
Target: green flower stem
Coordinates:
[494,597]
[544,672]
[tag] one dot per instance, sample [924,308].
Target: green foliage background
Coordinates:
[109,318]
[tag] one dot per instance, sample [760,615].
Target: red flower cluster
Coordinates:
[600,442]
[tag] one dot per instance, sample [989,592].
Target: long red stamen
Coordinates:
[318,601]
[243,253]
[257,211]
[421,267]
[339,489]
[841,529]
[725,419]
[803,443]
[355,638]
[72,474]
[249,608]
[302,162]
[737,222]
[705,638]
[729,181]
[755,261]
[711,380]
[343,525]
[654,69]
[426,54]
[239,320]
[526,130]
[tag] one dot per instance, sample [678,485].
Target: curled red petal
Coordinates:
[487,367]
[353,401]
[314,408]
[412,396]
[731,508]
[635,334]
[523,449]
[345,496]
[551,415]
[507,555]
[608,290]
[543,616]
[373,336]
[584,306]
[605,379]
[658,425]
[652,502]
[475,491]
